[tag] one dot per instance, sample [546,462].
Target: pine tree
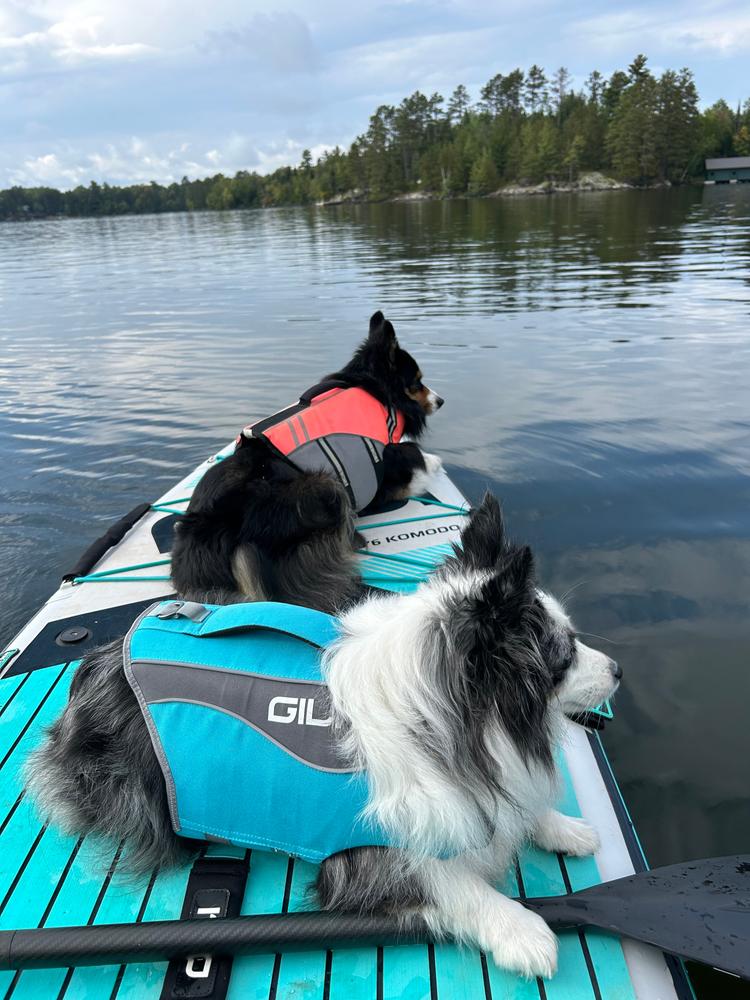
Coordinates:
[376,153]
[436,125]
[491,96]
[540,150]
[512,91]
[595,87]
[454,169]
[677,123]
[613,91]
[458,105]
[572,159]
[410,134]
[535,89]
[633,135]
[637,69]
[549,149]
[484,178]
[560,82]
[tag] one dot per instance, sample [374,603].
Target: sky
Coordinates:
[128,91]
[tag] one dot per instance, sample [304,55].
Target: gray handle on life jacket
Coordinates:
[325,386]
[314,627]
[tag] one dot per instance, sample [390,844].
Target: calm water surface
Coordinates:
[594,355]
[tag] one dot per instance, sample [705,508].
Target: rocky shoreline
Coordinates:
[593,181]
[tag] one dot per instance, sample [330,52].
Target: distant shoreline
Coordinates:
[587,184]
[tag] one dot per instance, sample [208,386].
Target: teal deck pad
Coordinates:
[79,889]
[8,691]
[119,900]
[301,974]
[164,902]
[48,879]
[406,972]
[265,893]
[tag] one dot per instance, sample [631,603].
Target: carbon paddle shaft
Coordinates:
[160,941]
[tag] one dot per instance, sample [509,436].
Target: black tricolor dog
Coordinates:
[274,521]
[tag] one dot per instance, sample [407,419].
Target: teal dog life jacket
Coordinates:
[239,720]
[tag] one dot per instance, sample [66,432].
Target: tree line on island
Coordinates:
[526,128]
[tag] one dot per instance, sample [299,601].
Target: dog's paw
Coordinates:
[529,947]
[358,541]
[580,839]
[432,463]
[420,481]
[568,835]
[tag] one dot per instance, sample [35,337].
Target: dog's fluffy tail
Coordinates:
[96,772]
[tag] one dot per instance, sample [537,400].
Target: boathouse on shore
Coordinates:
[728,170]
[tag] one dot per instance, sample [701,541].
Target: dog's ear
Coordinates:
[483,539]
[382,336]
[509,591]
[487,617]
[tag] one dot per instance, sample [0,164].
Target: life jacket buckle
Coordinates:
[184,609]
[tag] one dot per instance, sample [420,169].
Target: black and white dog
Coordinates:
[451,700]
[262,525]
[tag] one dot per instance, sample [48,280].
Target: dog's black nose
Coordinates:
[616,669]
[438,402]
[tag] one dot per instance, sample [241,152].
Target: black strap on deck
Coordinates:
[111,537]
[216,888]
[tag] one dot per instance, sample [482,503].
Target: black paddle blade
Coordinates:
[699,910]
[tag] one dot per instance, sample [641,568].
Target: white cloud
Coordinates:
[426,62]
[47,170]
[728,36]
[82,38]
[137,161]
[280,41]
[67,43]
[725,32]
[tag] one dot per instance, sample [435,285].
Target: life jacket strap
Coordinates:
[215,889]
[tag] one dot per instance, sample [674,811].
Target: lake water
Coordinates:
[594,354]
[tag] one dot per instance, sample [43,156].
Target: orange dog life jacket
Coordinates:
[337,429]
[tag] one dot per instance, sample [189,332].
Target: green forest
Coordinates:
[527,127]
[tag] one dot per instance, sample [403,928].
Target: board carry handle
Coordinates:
[698,910]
